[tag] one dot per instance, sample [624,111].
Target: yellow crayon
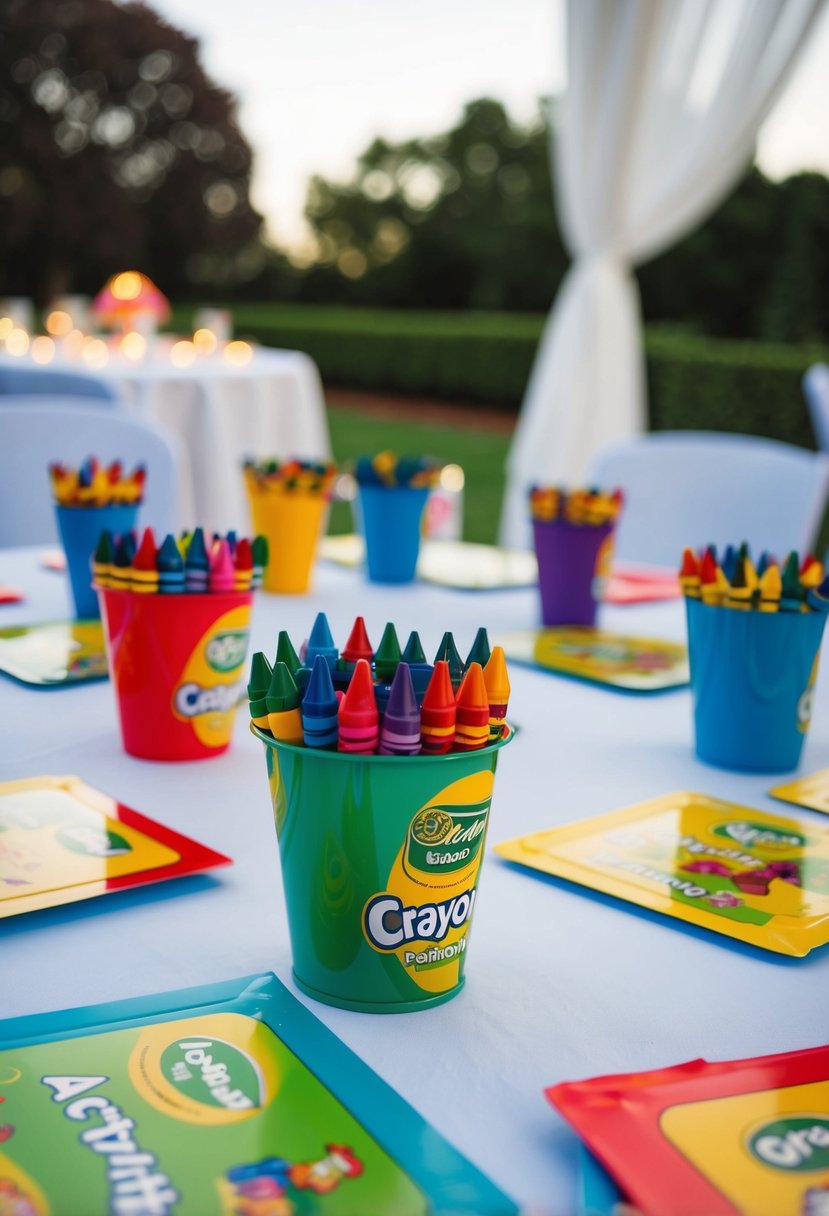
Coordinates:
[740,592]
[771,588]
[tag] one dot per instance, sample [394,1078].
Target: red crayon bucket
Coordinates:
[176,662]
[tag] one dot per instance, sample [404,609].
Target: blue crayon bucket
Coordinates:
[80,528]
[752,679]
[391,518]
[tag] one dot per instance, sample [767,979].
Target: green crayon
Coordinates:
[387,656]
[260,679]
[414,653]
[282,700]
[448,652]
[480,651]
[286,654]
[793,593]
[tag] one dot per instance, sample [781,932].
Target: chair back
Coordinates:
[32,436]
[24,380]
[816,392]
[697,488]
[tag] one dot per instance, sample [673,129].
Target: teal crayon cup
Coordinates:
[380,859]
[752,681]
[391,520]
[80,529]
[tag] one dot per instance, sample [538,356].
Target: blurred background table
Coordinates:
[561,984]
[221,411]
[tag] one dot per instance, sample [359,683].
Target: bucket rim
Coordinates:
[353,758]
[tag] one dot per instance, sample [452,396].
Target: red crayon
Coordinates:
[358,719]
[472,722]
[243,561]
[437,714]
[222,573]
[144,574]
[358,646]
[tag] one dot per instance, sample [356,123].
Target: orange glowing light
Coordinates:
[127,285]
[17,341]
[205,341]
[238,353]
[182,353]
[95,352]
[43,349]
[58,323]
[6,326]
[133,346]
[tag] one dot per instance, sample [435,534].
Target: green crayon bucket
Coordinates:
[380,864]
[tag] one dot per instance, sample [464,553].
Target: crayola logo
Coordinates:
[422,916]
[759,836]
[214,1070]
[796,1144]
[209,688]
[226,651]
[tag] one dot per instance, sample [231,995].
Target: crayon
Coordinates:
[243,561]
[480,651]
[302,678]
[183,544]
[170,568]
[793,594]
[438,712]
[741,591]
[819,597]
[689,575]
[497,691]
[729,559]
[144,575]
[448,652]
[765,561]
[472,720]
[231,543]
[400,734]
[259,549]
[771,589]
[413,653]
[222,574]
[811,576]
[358,645]
[320,642]
[122,562]
[320,707]
[286,654]
[713,585]
[102,560]
[282,700]
[258,684]
[387,656]
[358,718]
[196,564]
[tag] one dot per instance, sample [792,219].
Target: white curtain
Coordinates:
[663,102]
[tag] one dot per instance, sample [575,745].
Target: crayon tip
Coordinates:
[473,692]
[358,645]
[320,689]
[105,549]
[282,691]
[320,638]
[197,558]
[388,655]
[286,654]
[496,678]
[413,652]
[260,676]
[145,555]
[439,692]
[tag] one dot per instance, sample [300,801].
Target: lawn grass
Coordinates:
[480,455]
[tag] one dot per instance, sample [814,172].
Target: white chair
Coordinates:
[23,380]
[697,488]
[816,392]
[32,436]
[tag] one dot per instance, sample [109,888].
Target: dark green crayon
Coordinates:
[258,685]
[480,651]
[387,655]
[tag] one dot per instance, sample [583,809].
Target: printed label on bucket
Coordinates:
[424,914]
[209,688]
[806,699]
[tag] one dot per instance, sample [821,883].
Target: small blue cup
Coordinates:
[80,528]
[752,680]
[391,525]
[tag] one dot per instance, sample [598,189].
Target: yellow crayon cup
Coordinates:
[381,858]
[176,663]
[292,523]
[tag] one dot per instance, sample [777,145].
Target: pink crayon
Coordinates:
[358,719]
[400,735]
[222,570]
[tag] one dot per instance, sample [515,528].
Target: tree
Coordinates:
[461,220]
[116,151]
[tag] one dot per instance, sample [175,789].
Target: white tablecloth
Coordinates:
[560,984]
[271,406]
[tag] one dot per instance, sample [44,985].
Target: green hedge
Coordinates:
[694,382]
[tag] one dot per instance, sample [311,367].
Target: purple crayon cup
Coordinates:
[573,566]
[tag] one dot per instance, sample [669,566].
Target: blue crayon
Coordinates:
[320,642]
[196,564]
[818,597]
[170,568]
[319,707]
[231,540]
[122,561]
[400,732]
[729,562]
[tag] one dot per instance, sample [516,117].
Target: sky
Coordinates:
[318,79]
